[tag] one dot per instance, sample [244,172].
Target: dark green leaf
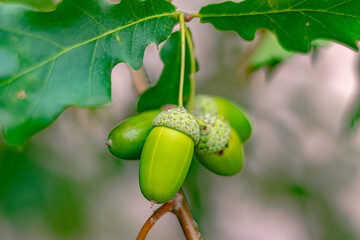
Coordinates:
[38,5]
[66,56]
[166,91]
[296,23]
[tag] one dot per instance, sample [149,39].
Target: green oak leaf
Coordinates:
[166,90]
[296,23]
[66,56]
[37,5]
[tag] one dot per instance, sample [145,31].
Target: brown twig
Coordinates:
[166,207]
[187,222]
[179,207]
[139,80]
[243,65]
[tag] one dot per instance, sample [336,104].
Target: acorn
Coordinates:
[167,154]
[233,113]
[214,135]
[228,161]
[127,139]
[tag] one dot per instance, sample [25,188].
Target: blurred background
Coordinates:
[300,181]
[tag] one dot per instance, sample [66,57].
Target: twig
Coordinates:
[166,207]
[187,222]
[242,69]
[179,207]
[139,80]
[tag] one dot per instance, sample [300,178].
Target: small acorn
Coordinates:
[228,161]
[167,154]
[234,114]
[214,135]
[127,139]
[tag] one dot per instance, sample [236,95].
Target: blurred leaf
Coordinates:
[316,45]
[268,53]
[321,216]
[166,90]
[296,23]
[353,115]
[38,5]
[27,190]
[66,56]
[198,189]
[9,63]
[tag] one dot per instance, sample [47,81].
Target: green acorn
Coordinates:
[228,161]
[167,154]
[127,139]
[214,135]
[234,114]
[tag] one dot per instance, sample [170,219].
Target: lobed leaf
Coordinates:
[66,56]
[166,90]
[296,23]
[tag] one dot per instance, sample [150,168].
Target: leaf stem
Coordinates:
[195,15]
[192,69]
[182,67]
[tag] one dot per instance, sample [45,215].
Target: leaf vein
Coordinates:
[92,66]
[277,24]
[55,44]
[89,15]
[43,91]
[340,4]
[276,12]
[319,22]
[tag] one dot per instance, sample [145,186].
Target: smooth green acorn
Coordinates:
[167,154]
[228,161]
[232,112]
[127,139]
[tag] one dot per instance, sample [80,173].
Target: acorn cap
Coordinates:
[178,119]
[213,137]
[204,104]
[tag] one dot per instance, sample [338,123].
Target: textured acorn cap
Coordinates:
[213,137]
[178,119]
[204,104]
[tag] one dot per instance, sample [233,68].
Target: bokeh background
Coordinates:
[300,180]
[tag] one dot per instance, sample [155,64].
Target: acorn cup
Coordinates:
[167,154]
